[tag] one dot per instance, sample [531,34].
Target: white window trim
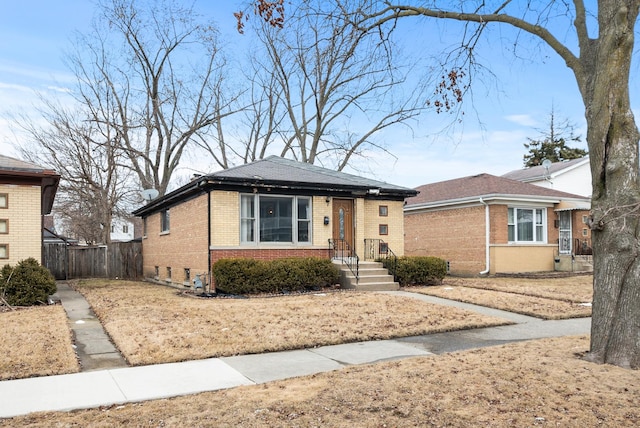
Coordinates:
[294,221]
[545,234]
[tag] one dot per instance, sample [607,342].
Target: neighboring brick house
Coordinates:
[268,209]
[485,224]
[573,176]
[27,192]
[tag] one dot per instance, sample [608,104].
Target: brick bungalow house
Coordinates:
[269,209]
[27,192]
[484,224]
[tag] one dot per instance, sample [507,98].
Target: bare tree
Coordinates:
[161,72]
[335,85]
[95,186]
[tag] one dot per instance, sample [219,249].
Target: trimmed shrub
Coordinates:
[26,284]
[417,270]
[249,276]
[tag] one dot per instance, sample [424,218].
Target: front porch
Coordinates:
[367,273]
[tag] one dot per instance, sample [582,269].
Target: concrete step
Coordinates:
[372,277]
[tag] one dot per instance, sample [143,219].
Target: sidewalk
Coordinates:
[130,384]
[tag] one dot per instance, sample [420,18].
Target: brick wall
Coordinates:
[24,237]
[394,221]
[456,235]
[184,246]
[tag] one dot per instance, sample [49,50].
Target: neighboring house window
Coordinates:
[4,226]
[125,228]
[585,232]
[585,219]
[113,228]
[4,200]
[4,251]
[526,224]
[271,219]
[383,211]
[164,221]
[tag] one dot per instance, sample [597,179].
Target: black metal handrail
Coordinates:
[582,247]
[378,250]
[340,249]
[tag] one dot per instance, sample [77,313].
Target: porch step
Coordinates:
[567,263]
[373,277]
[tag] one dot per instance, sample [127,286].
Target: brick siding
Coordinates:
[24,217]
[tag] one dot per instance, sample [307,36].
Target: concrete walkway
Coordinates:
[93,346]
[93,388]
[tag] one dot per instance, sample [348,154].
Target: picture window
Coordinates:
[526,224]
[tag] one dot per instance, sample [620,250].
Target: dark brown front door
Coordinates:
[343,221]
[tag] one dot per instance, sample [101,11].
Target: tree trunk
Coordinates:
[613,138]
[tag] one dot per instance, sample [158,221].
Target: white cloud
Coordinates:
[522,120]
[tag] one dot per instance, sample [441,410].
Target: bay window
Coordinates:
[275,219]
[526,224]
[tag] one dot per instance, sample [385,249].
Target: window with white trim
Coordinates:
[274,219]
[527,224]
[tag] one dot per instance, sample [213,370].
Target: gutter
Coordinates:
[486,237]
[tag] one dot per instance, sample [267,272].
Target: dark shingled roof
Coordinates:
[287,175]
[481,185]
[538,172]
[282,170]
[12,164]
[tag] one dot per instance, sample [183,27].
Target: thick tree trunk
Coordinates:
[613,138]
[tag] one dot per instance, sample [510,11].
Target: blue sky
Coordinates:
[34,35]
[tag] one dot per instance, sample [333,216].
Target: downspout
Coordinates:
[209,242]
[486,237]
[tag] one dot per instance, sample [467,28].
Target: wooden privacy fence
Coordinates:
[116,260]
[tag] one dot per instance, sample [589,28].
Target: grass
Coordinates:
[36,341]
[534,383]
[558,298]
[153,324]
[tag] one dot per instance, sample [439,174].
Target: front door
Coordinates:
[565,232]
[343,222]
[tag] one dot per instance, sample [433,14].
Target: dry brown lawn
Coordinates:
[547,298]
[536,383]
[36,341]
[153,324]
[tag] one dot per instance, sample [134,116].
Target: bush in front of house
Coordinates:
[417,270]
[27,283]
[249,276]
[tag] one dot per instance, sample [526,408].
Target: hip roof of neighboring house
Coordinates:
[486,187]
[281,175]
[16,171]
[537,173]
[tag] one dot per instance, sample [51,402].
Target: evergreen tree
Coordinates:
[553,145]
